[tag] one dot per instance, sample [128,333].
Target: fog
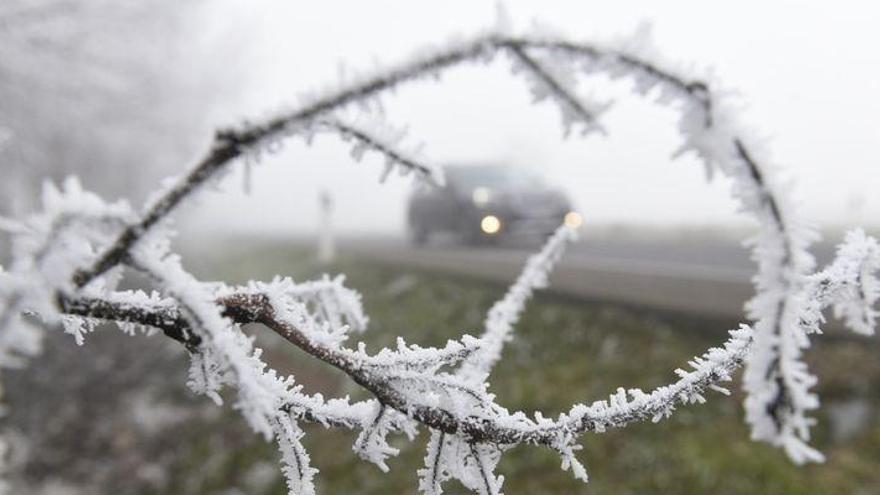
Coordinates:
[123,93]
[807,75]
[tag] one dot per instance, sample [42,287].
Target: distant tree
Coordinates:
[112,90]
[69,256]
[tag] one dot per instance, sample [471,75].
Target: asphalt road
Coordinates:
[694,274]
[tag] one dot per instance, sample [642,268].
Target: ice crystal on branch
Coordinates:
[375,135]
[505,313]
[372,443]
[554,77]
[295,459]
[47,248]
[850,284]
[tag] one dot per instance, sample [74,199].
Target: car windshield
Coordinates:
[494,176]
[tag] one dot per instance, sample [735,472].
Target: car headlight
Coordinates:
[490,224]
[481,196]
[573,220]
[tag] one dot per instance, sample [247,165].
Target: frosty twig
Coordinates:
[68,258]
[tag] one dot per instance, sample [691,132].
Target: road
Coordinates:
[694,274]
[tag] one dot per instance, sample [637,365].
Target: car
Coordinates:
[483,203]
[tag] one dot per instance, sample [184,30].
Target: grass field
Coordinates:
[566,351]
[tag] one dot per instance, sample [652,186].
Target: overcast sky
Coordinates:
[809,73]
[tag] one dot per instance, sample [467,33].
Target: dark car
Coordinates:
[481,203]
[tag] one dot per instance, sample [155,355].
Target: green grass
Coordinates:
[565,351]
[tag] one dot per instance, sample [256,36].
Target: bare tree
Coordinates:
[69,256]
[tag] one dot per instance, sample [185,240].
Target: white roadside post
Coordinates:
[326,242]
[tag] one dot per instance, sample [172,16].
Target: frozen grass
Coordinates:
[702,449]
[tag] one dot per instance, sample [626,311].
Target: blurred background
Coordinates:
[125,93]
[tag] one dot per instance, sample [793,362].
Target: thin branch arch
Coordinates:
[407,383]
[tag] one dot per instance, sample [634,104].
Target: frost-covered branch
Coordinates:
[505,313]
[558,84]
[476,368]
[383,140]
[849,285]
[47,248]
[493,425]
[68,258]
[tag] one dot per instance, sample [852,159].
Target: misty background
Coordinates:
[124,93]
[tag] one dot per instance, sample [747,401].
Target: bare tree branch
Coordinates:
[470,429]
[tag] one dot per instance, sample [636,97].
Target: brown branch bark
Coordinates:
[256,308]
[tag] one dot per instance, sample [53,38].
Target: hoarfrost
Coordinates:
[68,258]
